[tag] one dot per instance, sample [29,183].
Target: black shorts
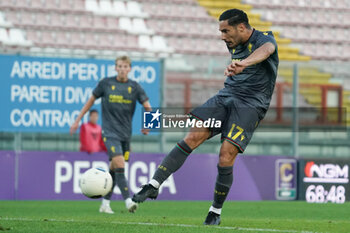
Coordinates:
[238,120]
[115,147]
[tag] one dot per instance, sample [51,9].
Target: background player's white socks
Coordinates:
[128,202]
[105,202]
[154,183]
[215,210]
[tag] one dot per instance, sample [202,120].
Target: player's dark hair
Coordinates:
[235,17]
[93,111]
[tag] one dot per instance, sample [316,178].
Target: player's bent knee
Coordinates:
[227,159]
[228,155]
[117,162]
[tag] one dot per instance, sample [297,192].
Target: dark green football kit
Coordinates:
[244,100]
[118,107]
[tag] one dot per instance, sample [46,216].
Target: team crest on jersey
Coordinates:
[265,33]
[250,47]
[113,87]
[129,90]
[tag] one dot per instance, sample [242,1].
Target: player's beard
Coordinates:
[234,44]
[230,45]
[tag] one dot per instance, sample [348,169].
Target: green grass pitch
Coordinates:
[172,216]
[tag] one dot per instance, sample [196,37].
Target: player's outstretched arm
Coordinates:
[259,55]
[148,108]
[86,108]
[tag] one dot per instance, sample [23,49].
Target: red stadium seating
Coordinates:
[184,26]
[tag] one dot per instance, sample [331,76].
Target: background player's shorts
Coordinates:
[117,148]
[238,119]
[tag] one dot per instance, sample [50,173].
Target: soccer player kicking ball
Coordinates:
[240,106]
[119,96]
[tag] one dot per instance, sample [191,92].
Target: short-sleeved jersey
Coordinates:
[255,84]
[118,105]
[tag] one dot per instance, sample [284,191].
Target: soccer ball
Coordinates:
[96,183]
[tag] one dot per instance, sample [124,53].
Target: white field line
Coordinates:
[155,224]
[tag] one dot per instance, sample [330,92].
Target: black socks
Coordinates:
[223,184]
[119,178]
[172,162]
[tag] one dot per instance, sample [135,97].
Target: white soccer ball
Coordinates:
[96,183]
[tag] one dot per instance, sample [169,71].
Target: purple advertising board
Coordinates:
[7,175]
[55,176]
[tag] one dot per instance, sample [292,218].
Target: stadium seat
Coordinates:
[145,42]
[3,21]
[134,9]
[111,23]
[64,5]
[139,27]
[134,26]
[71,21]
[45,39]
[90,41]
[12,17]
[22,4]
[84,22]
[6,4]
[41,20]
[346,52]
[17,38]
[99,22]
[154,44]
[132,43]
[56,20]
[119,8]
[125,23]
[78,5]
[118,41]
[106,7]
[32,35]
[159,44]
[346,19]
[61,39]
[341,35]
[37,4]
[184,19]
[91,5]
[51,4]
[4,37]
[76,39]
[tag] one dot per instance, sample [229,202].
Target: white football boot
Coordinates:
[106,209]
[130,205]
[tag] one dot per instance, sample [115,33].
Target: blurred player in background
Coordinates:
[119,96]
[240,106]
[91,135]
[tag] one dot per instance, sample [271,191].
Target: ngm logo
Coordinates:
[326,173]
